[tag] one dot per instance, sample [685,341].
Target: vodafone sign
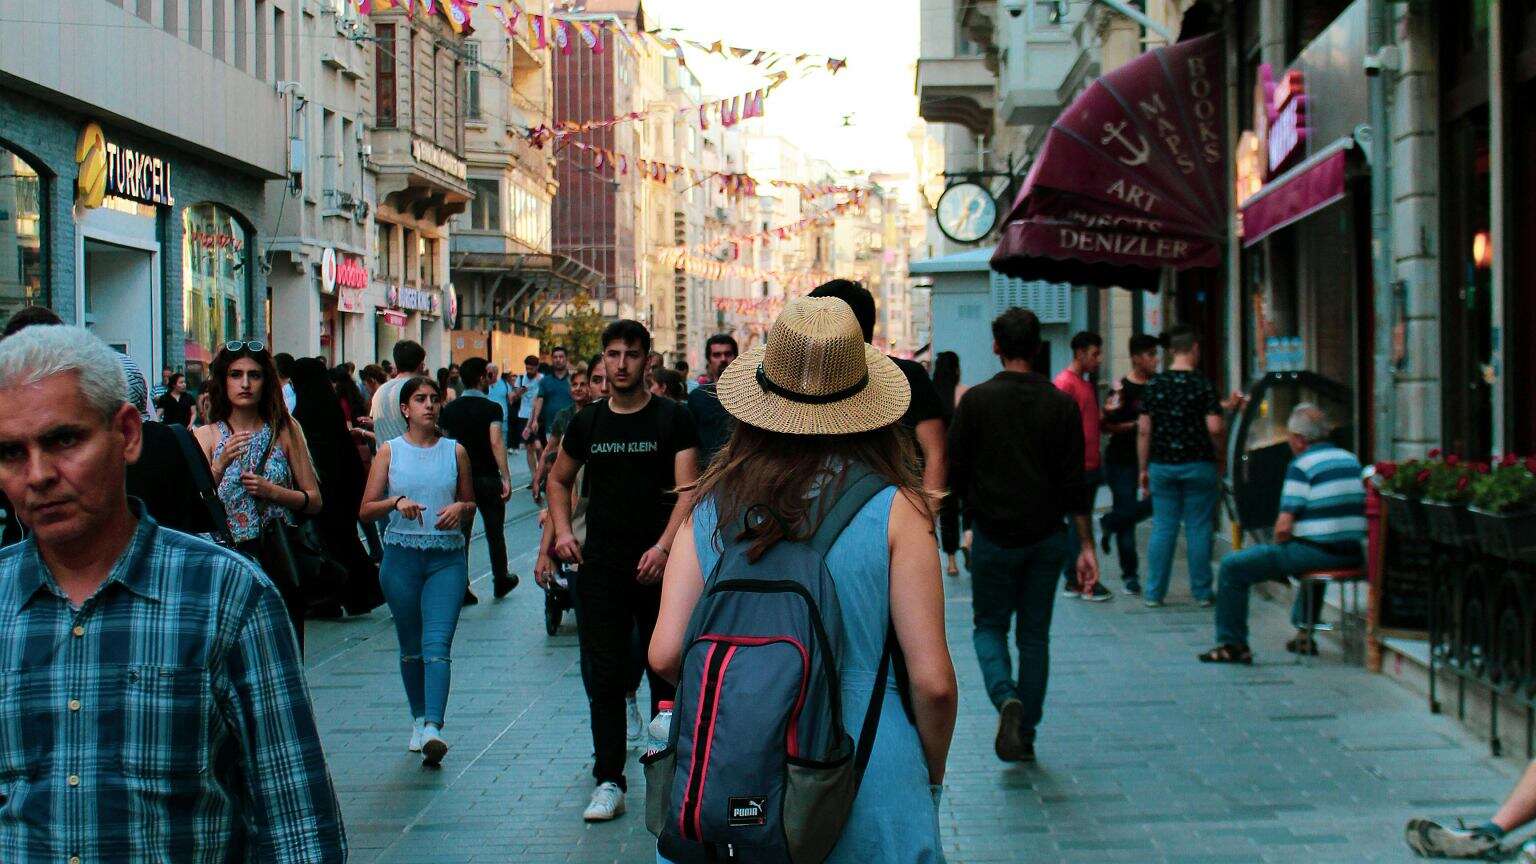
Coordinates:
[343,270]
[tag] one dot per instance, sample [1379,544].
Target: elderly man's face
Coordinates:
[61,464]
[1298,443]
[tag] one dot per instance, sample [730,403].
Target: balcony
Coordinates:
[956,90]
[419,176]
[1043,58]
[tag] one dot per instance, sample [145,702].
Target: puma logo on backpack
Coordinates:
[759,767]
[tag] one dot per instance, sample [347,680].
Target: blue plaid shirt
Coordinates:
[166,719]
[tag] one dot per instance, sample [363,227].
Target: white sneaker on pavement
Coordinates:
[632,721]
[417,731]
[607,803]
[433,747]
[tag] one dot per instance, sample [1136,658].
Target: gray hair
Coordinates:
[38,353]
[1308,421]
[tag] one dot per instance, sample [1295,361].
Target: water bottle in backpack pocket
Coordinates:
[760,767]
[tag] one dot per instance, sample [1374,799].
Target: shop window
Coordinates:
[21,234]
[383,250]
[472,80]
[1466,337]
[216,270]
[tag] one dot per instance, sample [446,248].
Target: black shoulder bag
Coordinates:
[295,553]
[202,479]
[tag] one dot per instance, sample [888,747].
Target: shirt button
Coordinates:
[74,859]
[74,704]
[79,630]
[74,779]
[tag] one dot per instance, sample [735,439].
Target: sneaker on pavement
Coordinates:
[1010,744]
[1206,602]
[1098,595]
[469,598]
[1070,588]
[1430,839]
[433,747]
[1527,853]
[503,585]
[607,803]
[417,731]
[631,720]
[1132,586]
[1152,604]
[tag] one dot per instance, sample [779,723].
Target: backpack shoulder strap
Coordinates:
[860,485]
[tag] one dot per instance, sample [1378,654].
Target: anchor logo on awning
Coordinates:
[1116,132]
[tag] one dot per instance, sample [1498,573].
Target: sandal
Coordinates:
[1228,654]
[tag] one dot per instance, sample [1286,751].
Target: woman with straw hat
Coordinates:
[812,400]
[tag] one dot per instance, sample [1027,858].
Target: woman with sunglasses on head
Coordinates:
[259,457]
[422,484]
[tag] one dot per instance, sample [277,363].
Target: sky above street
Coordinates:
[879,38]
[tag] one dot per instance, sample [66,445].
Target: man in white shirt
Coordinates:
[388,422]
[524,390]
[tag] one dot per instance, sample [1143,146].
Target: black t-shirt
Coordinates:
[1179,402]
[713,422]
[630,464]
[1121,449]
[176,408]
[926,404]
[468,420]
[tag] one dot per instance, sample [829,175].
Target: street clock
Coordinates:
[966,212]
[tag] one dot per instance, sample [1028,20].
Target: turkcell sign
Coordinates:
[136,175]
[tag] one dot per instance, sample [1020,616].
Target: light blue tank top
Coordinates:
[894,817]
[430,477]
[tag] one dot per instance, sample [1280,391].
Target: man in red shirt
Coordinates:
[1077,381]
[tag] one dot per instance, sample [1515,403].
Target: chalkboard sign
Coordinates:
[1403,608]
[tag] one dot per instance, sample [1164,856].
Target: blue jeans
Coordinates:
[1126,511]
[1186,493]
[1271,561]
[1091,479]
[425,590]
[1007,582]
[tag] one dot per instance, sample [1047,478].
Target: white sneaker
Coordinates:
[632,721]
[607,803]
[417,731]
[433,747]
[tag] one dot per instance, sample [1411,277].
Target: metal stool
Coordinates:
[1343,576]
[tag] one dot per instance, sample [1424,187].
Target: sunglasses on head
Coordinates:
[255,346]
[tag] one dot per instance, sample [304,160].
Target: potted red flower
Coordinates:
[1402,485]
[1447,492]
[1504,509]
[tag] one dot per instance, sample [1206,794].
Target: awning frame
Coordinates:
[1343,144]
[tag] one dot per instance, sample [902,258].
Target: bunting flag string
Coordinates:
[708,268]
[730,111]
[768,58]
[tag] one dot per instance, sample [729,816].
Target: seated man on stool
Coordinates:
[1320,527]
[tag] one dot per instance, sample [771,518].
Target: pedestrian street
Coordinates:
[1145,755]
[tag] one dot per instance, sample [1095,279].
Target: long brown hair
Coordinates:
[269,405]
[778,472]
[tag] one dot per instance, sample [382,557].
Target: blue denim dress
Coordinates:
[895,817]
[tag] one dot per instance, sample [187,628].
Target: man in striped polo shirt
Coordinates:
[1321,526]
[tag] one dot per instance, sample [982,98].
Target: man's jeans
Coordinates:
[1091,479]
[1004,583]
[1126,512]
[1271,561]
[493,514]
[1186,493]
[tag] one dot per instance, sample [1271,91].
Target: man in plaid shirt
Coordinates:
[152,702]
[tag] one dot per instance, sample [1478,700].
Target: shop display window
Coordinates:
[215,280]
[21,234]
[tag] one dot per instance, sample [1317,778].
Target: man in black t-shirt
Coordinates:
[925,413]
[475,421]
[713,422]
[1121,411]
[635,449]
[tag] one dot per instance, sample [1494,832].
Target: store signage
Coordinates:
[1280,117]
[392,317]
[341,269]
[350,300]
[108,168]
[405,297]
[428,153]
[215,240]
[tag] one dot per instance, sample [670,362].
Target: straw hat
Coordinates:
[815,376]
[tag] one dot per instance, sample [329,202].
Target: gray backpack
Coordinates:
[758,767]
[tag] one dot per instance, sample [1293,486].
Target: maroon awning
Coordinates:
[1298,193]
[1130,178]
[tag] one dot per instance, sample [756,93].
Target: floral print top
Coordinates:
[1179,402]
[246,514]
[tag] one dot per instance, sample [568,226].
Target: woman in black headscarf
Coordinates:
[341,476]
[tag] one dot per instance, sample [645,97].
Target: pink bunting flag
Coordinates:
[511,18]
[562,36]
[537,29]
[703,116]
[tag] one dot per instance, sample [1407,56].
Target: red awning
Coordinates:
[1130,178]
[1298,193]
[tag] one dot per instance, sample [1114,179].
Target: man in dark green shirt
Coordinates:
[712,421]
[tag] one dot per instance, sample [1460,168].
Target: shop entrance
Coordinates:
[119,299]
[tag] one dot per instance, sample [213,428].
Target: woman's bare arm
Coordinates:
[680,588]
[917,611]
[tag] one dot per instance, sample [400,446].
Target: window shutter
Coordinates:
[1050,301]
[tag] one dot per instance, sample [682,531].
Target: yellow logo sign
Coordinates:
[91,157]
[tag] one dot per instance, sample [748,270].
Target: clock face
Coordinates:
[966,212]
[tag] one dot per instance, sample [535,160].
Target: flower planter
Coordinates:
[1510,536]
[1450,524]
[1405,515]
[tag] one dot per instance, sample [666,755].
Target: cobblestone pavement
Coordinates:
[1145,754]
